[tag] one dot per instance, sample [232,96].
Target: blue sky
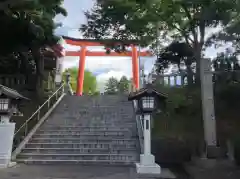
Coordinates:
[102,67]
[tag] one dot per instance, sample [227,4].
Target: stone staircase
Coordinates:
[86,130]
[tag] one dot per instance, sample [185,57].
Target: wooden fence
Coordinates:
[182,79]
[16,81]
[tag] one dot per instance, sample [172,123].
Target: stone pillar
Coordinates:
[147,163]
[59,70]
[6,141]
[208,108]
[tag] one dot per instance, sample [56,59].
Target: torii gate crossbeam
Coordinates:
[84,43]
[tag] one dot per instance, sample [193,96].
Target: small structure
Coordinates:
[9,100]
[148,100]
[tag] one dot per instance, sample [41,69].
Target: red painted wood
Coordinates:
[112,54]
[81,69]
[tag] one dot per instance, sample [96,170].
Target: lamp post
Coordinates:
[9,99]
[148,99]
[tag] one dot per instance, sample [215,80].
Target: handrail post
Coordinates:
[56,95]
[38,115]
[62,89]
[26,129]
[49,98]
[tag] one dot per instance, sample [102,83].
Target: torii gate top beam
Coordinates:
[93,42]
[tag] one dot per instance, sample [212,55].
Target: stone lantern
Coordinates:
[9,100]
[148,100]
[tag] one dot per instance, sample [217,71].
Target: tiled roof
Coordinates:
[11,93]
[148,89]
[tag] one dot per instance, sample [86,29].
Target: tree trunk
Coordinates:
[189,75]
[39,68]
[197,56]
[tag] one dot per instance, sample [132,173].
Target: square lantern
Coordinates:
[4,104]
[148,99]
[9,100]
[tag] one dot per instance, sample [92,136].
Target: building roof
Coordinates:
[149,89]
[11,93]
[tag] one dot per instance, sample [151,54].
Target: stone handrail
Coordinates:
[30,123]
[70,90]
[139,127]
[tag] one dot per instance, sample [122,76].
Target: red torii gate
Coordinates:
[83,43]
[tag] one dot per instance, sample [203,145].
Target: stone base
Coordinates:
[9,165]
[214,152]
[147,159]
[148,169]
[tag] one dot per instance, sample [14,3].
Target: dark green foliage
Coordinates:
[111,86]
[123,84]
[156,22]
[236,143]
[27,29]
[175,53]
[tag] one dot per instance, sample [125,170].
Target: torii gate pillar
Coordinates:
[135,67]
[81,68]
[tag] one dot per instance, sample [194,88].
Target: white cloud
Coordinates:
[112,73]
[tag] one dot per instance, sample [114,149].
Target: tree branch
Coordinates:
[192,27]
[184,34]
[9,3]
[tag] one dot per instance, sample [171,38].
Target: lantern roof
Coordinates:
[149,90]
[11,93]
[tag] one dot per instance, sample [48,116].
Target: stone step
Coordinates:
[70,156]
[89,124]
[75,162]
[80,150]
[83,140]
[83,129]
[81,136]
[88,129]
[92,145]
[84,133]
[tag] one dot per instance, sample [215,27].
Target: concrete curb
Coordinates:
[32,132]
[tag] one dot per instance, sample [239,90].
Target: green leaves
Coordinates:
[113,85]
[140,19]
[28,24]
[90,81]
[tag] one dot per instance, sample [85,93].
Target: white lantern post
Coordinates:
[147,163]
[7,128]
[148,100]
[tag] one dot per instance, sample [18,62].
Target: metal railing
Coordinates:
[139,122]
[28,125]
[70,90]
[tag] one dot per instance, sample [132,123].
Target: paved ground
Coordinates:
[213,169]
[68,172]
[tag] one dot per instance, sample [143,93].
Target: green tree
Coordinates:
[123,85]
[111,86]
[90,81]
[155,22]
[176,53]
[27,30]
